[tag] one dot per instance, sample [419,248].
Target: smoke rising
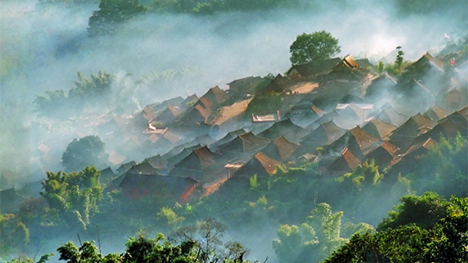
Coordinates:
[44,48]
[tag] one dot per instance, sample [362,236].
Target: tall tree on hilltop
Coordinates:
[312,47]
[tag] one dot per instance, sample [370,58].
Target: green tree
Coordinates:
[140,249]
[86,151]
[380,67]
[313,47]
[73,198]
[111,14]
[14,234]
[314,240]
[399,57]
[97,87]
[445,240]
[424,211]
[451,245]
[51,104]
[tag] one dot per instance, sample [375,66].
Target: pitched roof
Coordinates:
[279,149]
[347,140]
[228,137]
[435,113]
[386,146]
[358,113]
[285,147]
[428,59]
[389,115]
[284,128]
[350,62]
[229,112]
[364,139]
[314,68]
[244,143]
[125,167]
[268,163]
[325,133]
[338,119]
[345,162]
[245,85]
[106,175]
[419,148]
[413,127]
[215,95]
[378,128]
[205,140]
[199,159]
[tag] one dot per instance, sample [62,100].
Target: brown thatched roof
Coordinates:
[198,159]
[378,128]
[285,147]
[268,163]
[345,162]
[284,128]
[389,115]
[435,113]
[363,138]
[314,68]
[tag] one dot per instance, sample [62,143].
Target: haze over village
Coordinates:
[124,119]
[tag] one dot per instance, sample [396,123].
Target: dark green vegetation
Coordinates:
[412,238]
[89,150]
[86,93]
[111,14]
[313,47]
[76,202]
[312,212]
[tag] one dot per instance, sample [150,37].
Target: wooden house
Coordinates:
[412,128]
[278,84]
[383,153]
[380,86]
[345,162]
[391,116]
[378,128]
[241,87]
[279,149]
[311,70]
[366,141]
[324,134]
[285,128]
[259,164]
[243,147]
[136,186]
[435,113]
[125,167]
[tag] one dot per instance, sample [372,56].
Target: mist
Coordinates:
[43,49]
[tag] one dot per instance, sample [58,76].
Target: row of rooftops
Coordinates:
[242,153]
[294,132]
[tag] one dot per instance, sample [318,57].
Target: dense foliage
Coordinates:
[86,92]
[443,241]
[112,14]
[317,46]
[73,198]
[89,150]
